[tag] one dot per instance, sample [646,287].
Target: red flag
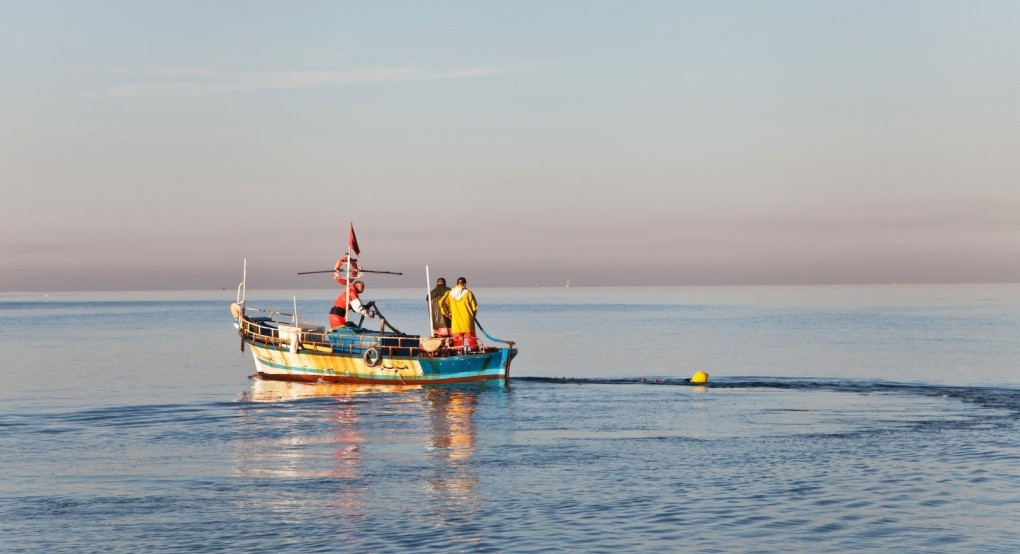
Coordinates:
[352,243]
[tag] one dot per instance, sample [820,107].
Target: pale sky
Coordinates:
[156,145]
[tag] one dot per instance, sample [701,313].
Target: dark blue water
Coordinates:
[837,419]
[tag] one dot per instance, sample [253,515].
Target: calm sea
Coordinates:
[838,419]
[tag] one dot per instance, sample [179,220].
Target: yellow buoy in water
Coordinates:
[699,378]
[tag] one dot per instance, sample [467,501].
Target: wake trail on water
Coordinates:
[1006,400]
[1003,398]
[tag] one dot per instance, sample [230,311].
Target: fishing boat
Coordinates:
[287,348]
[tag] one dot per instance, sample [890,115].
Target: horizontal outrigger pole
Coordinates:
[359,271]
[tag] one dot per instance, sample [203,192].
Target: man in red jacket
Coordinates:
[348,301]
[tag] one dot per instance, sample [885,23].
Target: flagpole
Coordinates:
[347,291]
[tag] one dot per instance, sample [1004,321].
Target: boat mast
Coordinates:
[428,297]
[242,288]
[347,291]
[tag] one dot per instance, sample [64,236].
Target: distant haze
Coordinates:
[157,145]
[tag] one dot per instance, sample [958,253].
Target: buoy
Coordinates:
[699,378]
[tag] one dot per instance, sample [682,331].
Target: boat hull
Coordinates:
[298,352]
[282,364]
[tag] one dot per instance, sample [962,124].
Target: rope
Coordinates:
[490,337]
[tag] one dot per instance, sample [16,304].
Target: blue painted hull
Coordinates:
[281,364]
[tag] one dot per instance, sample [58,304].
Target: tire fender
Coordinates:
[372,357]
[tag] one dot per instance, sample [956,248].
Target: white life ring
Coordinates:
[353,270]
[372,357]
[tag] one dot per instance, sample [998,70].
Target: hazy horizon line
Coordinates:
[751,285]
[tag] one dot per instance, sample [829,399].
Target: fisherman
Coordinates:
[440,321]
[460,306]
[348,299]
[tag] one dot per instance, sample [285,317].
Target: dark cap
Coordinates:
[461,281]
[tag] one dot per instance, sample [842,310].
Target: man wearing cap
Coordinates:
[440,321]
[460,306]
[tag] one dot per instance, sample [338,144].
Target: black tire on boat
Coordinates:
[371,357]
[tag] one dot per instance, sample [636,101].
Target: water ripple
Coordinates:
[606,467]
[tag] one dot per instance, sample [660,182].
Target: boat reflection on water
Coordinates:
[327,440]
[452,442]
[268,390]
[290,444]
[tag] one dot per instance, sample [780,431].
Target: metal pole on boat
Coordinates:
[360,271]
[428,298]
[242,287]
[242,296]
[347,291]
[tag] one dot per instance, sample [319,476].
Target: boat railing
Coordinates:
[266,331]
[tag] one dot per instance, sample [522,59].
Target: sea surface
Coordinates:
[836,419]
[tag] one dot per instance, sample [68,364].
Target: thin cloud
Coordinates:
[196,83]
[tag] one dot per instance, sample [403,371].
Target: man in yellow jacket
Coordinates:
[460,306]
